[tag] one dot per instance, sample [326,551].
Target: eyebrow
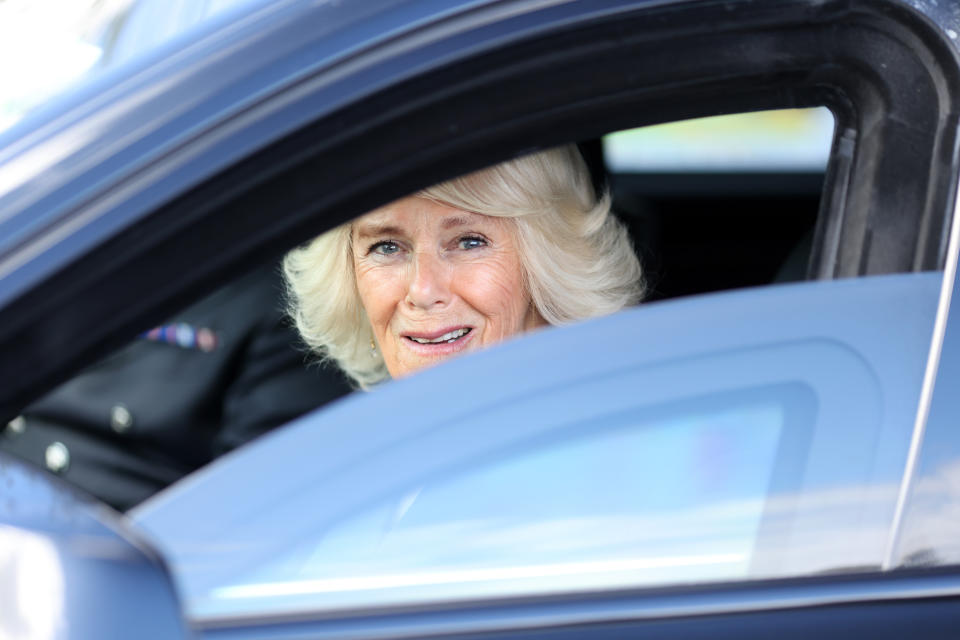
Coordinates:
[455,221]
[372,230]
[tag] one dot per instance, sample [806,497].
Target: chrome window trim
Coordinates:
[511,615]
[926,392]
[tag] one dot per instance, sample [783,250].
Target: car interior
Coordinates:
[716,228]
[704,224]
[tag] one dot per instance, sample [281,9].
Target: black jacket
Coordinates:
[221,373]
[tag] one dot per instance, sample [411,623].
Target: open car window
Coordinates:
[231,366]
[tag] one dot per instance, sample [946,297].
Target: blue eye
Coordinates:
[385,248]
[471,242]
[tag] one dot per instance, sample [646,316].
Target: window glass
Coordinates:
[664,499]
[928,531]
[766,438]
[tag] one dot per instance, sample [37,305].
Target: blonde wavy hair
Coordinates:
[577,258]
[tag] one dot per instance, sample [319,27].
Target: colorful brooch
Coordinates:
[183,335]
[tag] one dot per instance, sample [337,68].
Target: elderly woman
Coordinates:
[463,265]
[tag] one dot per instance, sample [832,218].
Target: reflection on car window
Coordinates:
[669,499]
[766,438]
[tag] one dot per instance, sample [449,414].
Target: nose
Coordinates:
[429,285]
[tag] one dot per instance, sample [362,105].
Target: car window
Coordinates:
[242,370]
[625,504]
[926,527]
[766,438]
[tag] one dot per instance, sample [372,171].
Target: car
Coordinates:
[779,458]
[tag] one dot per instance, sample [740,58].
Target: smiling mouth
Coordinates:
[447,338]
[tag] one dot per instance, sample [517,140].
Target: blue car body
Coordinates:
[278,121]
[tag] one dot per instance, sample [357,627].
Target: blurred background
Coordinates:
[49,45]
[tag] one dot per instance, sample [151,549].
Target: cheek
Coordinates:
[377,287]
[498,293]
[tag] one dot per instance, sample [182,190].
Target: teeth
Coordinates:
[450,336]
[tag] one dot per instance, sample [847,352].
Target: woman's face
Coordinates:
[436,281]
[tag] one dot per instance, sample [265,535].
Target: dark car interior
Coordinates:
[698,234]
[706,231]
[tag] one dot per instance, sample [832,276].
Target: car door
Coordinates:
[768,440]
[262,158]
[71,570]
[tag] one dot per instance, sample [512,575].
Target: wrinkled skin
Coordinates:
[437,282]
